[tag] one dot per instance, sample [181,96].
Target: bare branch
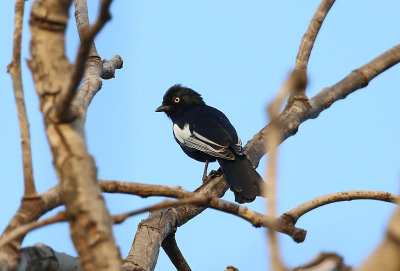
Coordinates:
[300,111]
[90,222]
[304,208]
[385,257]
[15,70]
[357,79]
[144,190]
[87,35]
[307,43]
[109,67]
[174,253]
[21,231]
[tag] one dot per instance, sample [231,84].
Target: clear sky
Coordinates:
[236,54]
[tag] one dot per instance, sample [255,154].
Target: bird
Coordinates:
[205,134]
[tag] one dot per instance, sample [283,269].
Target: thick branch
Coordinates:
[90,222]
[357,79]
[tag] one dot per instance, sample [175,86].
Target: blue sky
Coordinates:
[236,54]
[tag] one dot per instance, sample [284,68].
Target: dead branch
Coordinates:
[299,111]
[304,208]
[174,253]
[306,45]
[87,35]
[15,71]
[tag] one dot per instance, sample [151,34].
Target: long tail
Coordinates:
[242,179]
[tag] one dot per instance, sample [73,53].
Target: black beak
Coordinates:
[163,108]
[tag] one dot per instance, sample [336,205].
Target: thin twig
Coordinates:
[144,190]
[15,70]
[304,208]
[174,253]
[22,230]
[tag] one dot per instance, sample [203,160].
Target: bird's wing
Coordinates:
[189,137]
[217,127]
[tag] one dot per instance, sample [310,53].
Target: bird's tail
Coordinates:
[242,179]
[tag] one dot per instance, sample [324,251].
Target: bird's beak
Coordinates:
[163,108]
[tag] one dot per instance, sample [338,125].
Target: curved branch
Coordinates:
[174,253]
[307,44]
[304,208]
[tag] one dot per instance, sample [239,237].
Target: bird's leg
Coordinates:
[205,171]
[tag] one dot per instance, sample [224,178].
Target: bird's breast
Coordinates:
[181,134]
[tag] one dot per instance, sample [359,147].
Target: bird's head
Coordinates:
[177,99]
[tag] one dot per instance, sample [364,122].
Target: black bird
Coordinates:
[206,135]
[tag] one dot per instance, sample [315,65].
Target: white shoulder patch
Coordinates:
[182,134]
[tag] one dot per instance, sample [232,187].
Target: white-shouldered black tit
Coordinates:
[206,135]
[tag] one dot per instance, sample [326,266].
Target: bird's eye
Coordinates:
[177,99]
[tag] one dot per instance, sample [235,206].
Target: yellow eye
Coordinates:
[177,99]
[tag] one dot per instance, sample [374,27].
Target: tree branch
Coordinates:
[357,79]
[174,253]
[90,222]
[30,199]
[304,208]
[15,71]
[299,111]
[87,35]
[307,43]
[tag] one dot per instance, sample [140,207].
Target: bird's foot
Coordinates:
[215,173]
